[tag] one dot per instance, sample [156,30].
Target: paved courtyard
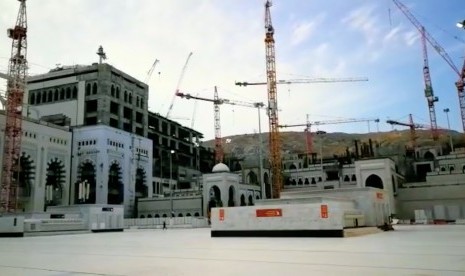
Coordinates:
[410,250]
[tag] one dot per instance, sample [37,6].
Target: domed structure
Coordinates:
[220,167]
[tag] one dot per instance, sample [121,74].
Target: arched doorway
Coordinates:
[243,203]
[84,190]
[374,181]
[266,180]
[250,203]
[54,183]
[231,196]
[292,167]
[115,186]
[214,199]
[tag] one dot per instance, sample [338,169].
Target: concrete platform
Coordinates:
[410,250]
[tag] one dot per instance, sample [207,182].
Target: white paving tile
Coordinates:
[410,250]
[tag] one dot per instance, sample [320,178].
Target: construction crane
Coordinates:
[430,98]
[309,124]
[16,85]
[219,152]
[179,83]
[412,126]
[149,73]
[309,80]
[440,50]
[274,140]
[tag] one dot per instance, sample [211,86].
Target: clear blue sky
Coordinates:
[318,38]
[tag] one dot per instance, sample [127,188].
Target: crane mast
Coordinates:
[16,84]
[429,94]
[275,147]
[440,50]
[218,143]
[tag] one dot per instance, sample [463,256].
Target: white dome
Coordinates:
[220,167]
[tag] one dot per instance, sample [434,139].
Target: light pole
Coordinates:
[171,185]
[321,132]
[260,154]
[446,110]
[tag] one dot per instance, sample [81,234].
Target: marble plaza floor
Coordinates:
[410,250]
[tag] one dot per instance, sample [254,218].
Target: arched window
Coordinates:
[74,92]
[38,98]
[137,101]
[313,181]
[56,95]
[141,102]
[62,94]
[32,99]
[164,215]
[50,96]
[68,92]
[149,216]
[88,88]
[306,181]
[125,96]
[451,169]
[44,96]
[188,214]
[117,92]
[300,181]
[354,178]
[294,182]
[374,181]
[130,98]
[346,178]
[112,90]
[157,215]
[94,88]
[196,215]
[142,216]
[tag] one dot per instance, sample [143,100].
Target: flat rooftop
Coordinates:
[410,250]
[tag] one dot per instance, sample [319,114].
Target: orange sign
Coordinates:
[221,213]
[269,213]
[324,211]
[379,195]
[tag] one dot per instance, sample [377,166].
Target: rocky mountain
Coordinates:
[330,144]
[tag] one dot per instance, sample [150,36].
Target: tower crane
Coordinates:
[179,83]
[16,84]
[460,84]
[308,125]
[309,80]
[412,126]
[275,144]
[431,99]
[149,73]
[219,152]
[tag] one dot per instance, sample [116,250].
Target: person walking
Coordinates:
[164,225]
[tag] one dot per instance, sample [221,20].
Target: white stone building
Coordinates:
[45,164]
[218,188]
[116,165]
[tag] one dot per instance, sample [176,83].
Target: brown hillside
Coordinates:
[386,143]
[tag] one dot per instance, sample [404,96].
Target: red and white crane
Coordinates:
[16,85]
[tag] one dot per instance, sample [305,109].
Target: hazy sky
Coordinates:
[318,38]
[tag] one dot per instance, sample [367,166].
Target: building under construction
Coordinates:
[104,108]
